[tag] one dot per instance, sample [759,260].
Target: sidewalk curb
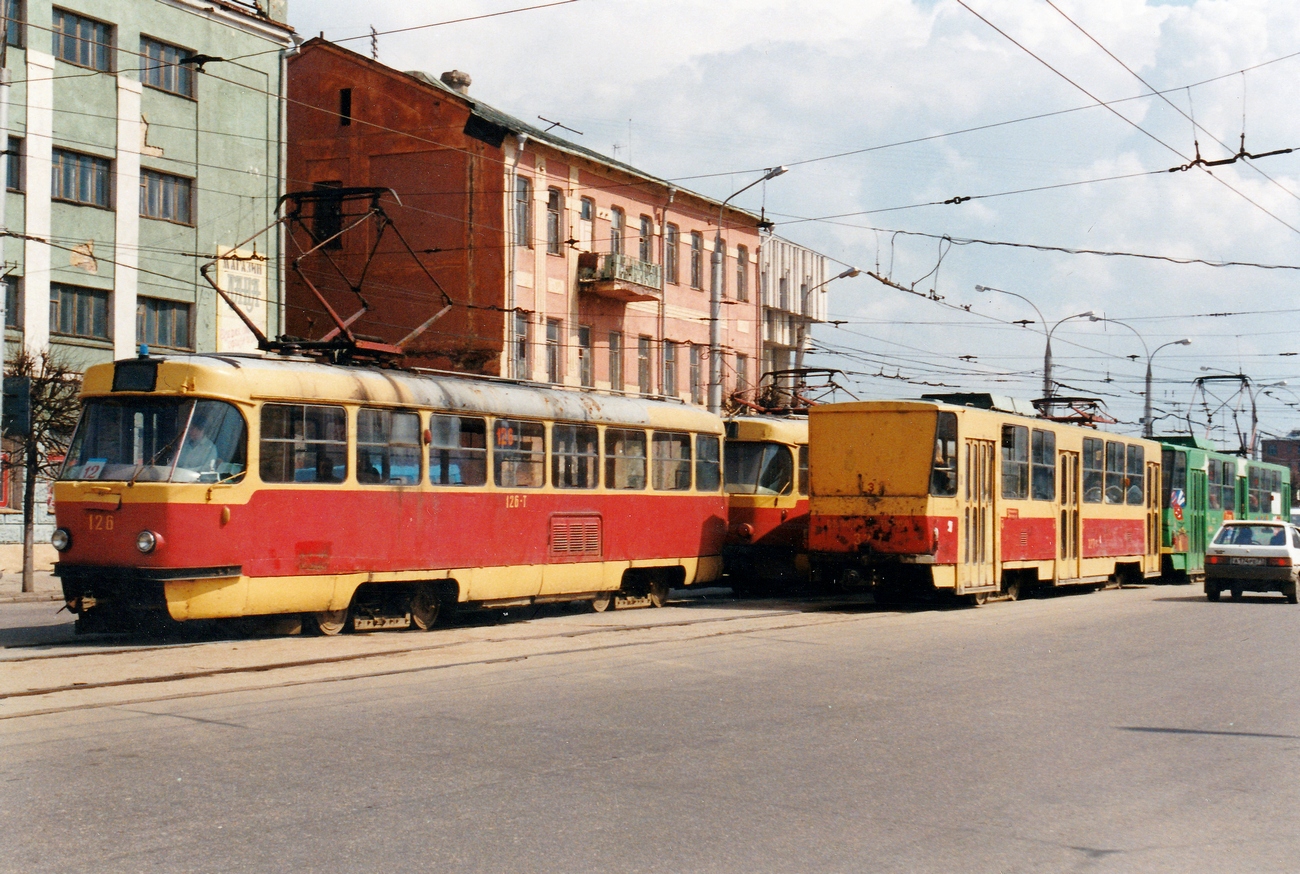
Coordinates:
[27,597]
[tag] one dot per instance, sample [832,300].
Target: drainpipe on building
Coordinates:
[511,193]
[663,283]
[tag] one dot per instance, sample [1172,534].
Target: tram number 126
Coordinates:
[513,502]
[100,522]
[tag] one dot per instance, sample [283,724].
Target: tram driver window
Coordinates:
[670,468]
[457,451]
[1134,488]
[1015,462]
[1042,476]
[575,456]
[943,469]
[519,454]
[303,443]
[1094,469]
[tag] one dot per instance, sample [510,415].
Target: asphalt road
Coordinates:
[1134,730]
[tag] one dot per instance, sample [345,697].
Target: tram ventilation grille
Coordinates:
[575,536]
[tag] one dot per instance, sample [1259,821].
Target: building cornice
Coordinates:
[237,17]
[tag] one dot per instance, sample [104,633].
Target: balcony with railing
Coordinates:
[619,277]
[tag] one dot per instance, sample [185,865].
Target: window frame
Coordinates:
[575,456]
[322,448]
[554,219]
[388,446]
[1135,494]
[521,459]
[467,457]
[16,35]
[523,218]
[1115,472]
[1042,465]
[697,259]
[107,49]
[162,68]
[626,471]
[102,176]
[672,260]
[943,464]
[615,360]
[554,345]
[1015,462]
[617,229]
[142,333]
[165,181]
[1093,465]
[16,164]
[742,274]
[670,473]
[75,292]
[708,463]
[645,240]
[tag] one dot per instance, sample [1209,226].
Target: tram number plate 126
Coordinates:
[514,502]
[100,522]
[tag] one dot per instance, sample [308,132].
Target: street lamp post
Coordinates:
[715,298]
[1047,334]
[804,321]
[1148,424]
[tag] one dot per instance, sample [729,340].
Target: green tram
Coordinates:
[1201,487]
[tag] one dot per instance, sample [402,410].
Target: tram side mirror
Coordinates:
[17,419]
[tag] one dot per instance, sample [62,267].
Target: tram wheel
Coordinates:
[602,602]
[658,593]
[424,608]
[979,599]
[328,622]
[1012,589]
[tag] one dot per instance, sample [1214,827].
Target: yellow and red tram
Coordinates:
[766,481]
[926,495]
[218,486]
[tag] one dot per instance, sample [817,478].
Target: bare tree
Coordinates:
[54,409]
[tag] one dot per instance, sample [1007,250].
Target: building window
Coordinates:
[83,41]
[742,273]
[14,165]
[163,196]
[643,364]
[78,312]
[586,223]
[697,259]
[697,392]
[163,323]
[554,208]
[586,375]
[643,250]
[617,222]
[553,350]
[15,19]
[522,370]
[523,212]
[720,249]
[80,178]
[670,368]
[742,372]
[615,361]
[672,236]
[783,286]
[161,67]
[345,107]
[13,296]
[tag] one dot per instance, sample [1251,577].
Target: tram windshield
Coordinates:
[759,468]
[176,440]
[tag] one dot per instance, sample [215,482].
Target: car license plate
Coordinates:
[1250,561]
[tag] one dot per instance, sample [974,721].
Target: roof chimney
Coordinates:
[457,81]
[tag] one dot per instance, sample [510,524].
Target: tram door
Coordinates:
[1152,562]
[1070,534]
[977,553]
[1195,521]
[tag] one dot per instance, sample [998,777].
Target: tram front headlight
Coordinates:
[145,541]
[61,539]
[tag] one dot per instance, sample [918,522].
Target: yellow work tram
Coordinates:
[924,496]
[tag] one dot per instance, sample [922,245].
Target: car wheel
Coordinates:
[1236,593]
[1211,592]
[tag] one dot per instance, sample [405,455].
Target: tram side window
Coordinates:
[759,468]
[457,451]
[1214,497]
[1228,485]
[1043,462]
[708,466]
[1015,462]
[1114,472]
[304,443]
[1173,475]
[519,454]
[1094,467]
[388,447]
[803,470]
[575,457]
[670,461]
[1134,488]
[625,459]
[943,468]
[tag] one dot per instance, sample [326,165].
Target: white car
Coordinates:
[1253,556]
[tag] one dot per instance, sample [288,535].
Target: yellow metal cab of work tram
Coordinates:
[919,496]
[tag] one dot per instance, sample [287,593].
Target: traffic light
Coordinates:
[17,419]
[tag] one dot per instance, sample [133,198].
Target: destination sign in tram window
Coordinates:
[519,454]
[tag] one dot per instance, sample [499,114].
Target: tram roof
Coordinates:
[784,429]
[254,378]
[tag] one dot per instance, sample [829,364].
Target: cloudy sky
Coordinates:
[885,109]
